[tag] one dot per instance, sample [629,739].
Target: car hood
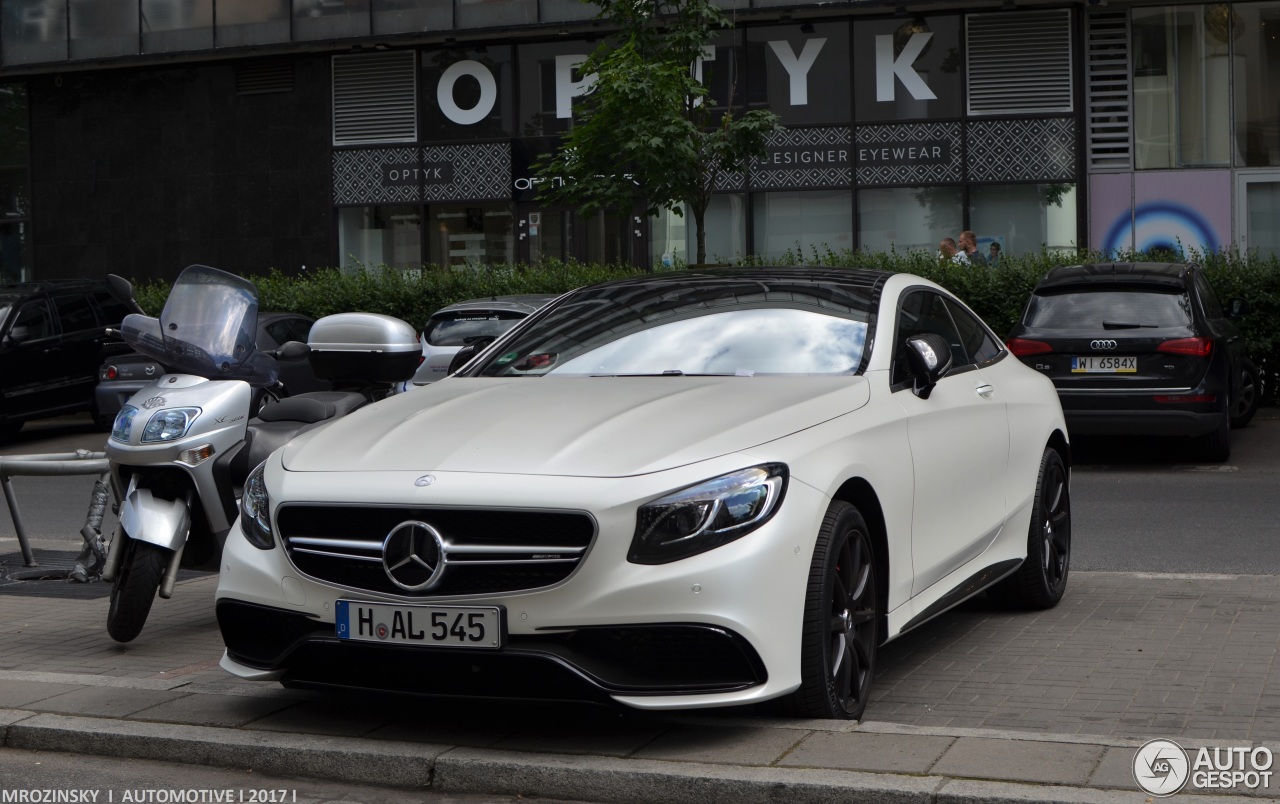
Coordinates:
[584,427]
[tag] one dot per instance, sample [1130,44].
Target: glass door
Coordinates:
[1258,213]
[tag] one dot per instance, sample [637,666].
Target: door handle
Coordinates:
[985,391]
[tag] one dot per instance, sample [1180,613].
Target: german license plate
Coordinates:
[431,626]
[1104,365]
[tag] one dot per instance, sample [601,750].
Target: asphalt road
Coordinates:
[1139,505]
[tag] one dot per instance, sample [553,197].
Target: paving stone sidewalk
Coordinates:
[981,704]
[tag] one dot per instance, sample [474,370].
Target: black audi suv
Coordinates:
[1140,349]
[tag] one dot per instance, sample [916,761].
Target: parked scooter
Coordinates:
[182,447]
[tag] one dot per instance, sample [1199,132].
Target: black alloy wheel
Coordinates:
[1246,403]
[1042,579]
[841,620]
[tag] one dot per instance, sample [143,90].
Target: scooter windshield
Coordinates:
[208,327]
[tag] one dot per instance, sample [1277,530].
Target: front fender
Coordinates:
[147,518]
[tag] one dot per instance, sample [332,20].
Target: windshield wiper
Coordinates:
[1126,325]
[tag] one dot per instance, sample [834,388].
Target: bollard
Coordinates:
[80,462]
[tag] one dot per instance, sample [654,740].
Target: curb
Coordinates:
[457,770]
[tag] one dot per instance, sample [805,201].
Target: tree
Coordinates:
[647,126]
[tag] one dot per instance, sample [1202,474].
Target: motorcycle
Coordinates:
[182,447]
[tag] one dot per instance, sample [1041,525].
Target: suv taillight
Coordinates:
[1021,347]
[1194,347]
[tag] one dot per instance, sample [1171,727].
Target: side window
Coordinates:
[277,331]
[113,312]
[978,341]
[32,322]
[75,313]
[299,329]
[924,311]
[1212,307]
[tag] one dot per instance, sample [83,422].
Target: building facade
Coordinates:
[139,136]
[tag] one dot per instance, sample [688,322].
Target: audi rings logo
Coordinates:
[413,556]
[1102,344]
[1160,767]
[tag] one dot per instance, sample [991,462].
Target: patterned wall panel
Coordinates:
[909,153]
[805,158]
[411,175]
[1022,150]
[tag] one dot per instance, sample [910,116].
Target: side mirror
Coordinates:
[464,355]
[18,334]
[1237,308]
[929,358]
[292,351]
[122,291]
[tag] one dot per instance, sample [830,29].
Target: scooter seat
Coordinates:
[316,406]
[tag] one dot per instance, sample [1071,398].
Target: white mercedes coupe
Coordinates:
[679,490]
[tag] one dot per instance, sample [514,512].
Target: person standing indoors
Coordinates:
[969,246]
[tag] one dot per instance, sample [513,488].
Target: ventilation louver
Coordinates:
[1109,91]
[1019,63]
[375,98]
[262,78]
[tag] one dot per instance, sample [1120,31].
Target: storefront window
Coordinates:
[251,22]
[673,238]
[369,237]
[803,225]
[496,13]
[104,28]
[467,93]
[905,219]
[1255,66]
[326,19]
[1024,218]
[169,25]
[800,72]
[1181,100]
[33,31]
[411,16]
[470,234]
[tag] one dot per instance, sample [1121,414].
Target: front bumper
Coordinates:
[719,628]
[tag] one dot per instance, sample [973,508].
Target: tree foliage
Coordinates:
[647,127]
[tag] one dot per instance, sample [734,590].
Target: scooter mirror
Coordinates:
[292,350]
[122,291]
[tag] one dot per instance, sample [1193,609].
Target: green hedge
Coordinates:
[997,294]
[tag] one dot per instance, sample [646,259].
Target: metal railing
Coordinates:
[80,462]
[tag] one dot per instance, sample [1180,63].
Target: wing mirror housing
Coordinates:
[929,359]
[122,291]
[474,346]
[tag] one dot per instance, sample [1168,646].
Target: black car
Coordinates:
[122,376]
[1139,349]
[52,340]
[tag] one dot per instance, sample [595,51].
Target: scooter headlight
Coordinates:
[169,424]
[123,426]
[255,510]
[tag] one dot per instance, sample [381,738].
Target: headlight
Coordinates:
[255,511]
[169,424]
[707,515]
[123,426]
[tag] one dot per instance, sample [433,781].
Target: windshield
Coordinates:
[455,329]
[208,327]
[1109,309]
[725,327]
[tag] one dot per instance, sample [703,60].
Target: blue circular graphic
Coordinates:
[1161,224]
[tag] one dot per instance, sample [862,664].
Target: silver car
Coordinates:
[456,325]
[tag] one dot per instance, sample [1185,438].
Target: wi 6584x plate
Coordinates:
[474,627]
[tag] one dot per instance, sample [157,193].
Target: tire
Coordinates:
[1216,446]
[1246,404]
[1042,579]
[841,621]
[134,590]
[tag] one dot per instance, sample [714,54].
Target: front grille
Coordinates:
[489,551]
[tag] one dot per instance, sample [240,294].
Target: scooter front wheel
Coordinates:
[137,580]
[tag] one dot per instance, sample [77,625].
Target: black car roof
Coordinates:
[1164,274]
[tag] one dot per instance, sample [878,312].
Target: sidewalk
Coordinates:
[980,705]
